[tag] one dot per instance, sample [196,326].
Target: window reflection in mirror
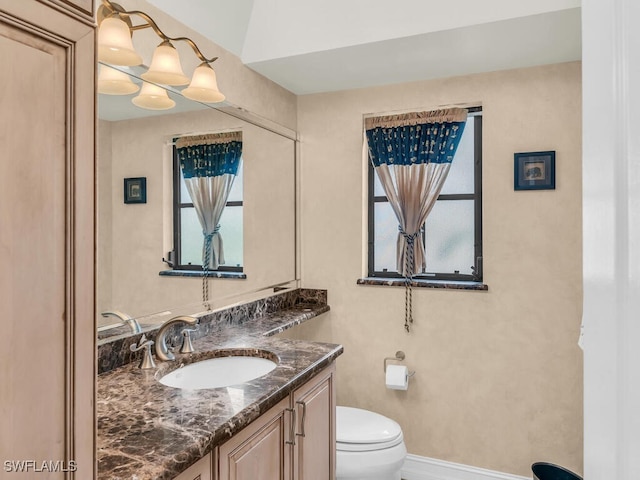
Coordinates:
[202,198]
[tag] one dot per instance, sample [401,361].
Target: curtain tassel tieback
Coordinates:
[410,238]
[208,238]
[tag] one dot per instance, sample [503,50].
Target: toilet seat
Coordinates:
[360,430]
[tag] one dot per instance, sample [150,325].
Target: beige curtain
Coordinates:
[412,192]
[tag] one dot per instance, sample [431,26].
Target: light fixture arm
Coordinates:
[116,9]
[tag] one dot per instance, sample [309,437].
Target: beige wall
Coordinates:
[139,235]
[498,379]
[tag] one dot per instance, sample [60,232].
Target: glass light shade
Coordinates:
[153,97]
[115,82]
[165,66]
[204,86]
[114,43]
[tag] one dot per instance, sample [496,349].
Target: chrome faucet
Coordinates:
[162,351]
[126,320]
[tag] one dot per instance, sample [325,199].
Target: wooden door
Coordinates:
[260,451]
[314,451]
[47,360]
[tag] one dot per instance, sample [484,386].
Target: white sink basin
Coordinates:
[218,372]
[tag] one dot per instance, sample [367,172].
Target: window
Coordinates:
[187,232]
[453,230]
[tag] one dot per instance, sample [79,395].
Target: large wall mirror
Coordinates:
[135,238]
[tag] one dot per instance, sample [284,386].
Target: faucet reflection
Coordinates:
[125,320]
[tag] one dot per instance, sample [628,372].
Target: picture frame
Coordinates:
[135,190]
[534,171]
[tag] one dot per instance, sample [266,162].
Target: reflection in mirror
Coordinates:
[135,239]
[208,202]
[188,242]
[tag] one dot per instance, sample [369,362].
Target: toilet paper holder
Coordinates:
[400,356]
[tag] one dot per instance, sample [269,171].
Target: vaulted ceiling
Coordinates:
[316,46]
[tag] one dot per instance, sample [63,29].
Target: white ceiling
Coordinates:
[317,46]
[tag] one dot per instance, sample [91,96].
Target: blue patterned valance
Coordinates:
[209,155]
[415,138]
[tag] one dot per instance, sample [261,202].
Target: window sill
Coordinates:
[424,283]
[199,274]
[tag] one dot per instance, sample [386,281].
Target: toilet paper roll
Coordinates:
[397,377]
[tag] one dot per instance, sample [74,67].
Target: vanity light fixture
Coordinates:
[203,86]
[153,97]
[114,43]
[116,47]
[165,66]
[115,82]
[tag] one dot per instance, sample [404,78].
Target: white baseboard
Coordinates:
[424,468]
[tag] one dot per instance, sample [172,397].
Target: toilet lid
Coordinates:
[364,430]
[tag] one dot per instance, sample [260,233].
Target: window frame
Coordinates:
[178,205]
[475,114]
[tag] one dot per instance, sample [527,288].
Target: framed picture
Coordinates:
[135,190]
[534,171]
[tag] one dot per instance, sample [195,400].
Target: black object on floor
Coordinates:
[549,471]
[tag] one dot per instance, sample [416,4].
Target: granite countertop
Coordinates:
[149,431]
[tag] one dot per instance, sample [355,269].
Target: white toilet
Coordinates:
[369,446]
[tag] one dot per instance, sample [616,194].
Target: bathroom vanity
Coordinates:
[292,440]
[280,425]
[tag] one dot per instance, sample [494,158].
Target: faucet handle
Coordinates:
[187,346]
[147,358]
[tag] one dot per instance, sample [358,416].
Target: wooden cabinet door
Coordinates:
[260,451]
[47,372]
[201,470]
[314,450]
